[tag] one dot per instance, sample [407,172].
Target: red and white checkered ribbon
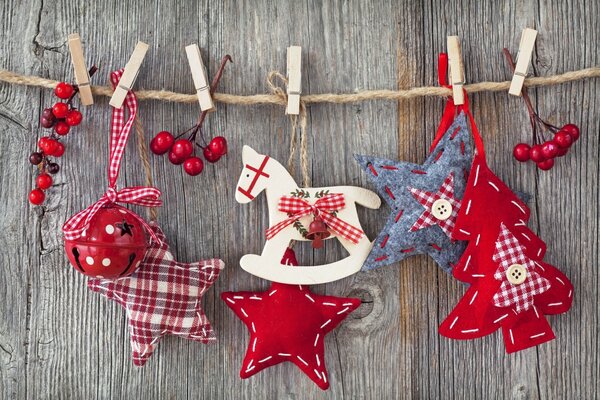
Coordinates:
[138,195]
[323,207]
[509,252]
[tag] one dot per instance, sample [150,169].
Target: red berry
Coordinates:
[562,151]
[563,139]
[521,152]
[174,159]
[550,149]
[63,90]
[60,150]
[182,149]
[44,181]
[73,118]
[193,166]
[162,142]
[60,110]
[210,156]
[61,128]
[572,130]
[536,154]
[218,145]
[37,196]
[546,165]
[47,145]
[35,158]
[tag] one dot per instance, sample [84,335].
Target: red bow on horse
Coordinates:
[323,208]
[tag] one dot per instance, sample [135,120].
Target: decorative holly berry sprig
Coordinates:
[542,151]
[183,150]
[62,116]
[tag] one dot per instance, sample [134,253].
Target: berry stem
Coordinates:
[213,87]
[534,118]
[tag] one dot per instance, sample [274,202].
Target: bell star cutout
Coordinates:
[288,323]
[162,297]
[424,199]
[510,285]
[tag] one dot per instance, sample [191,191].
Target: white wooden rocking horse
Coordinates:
[263,173]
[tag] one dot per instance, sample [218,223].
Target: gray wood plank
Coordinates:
[57,340]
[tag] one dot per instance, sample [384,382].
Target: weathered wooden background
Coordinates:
[58,340]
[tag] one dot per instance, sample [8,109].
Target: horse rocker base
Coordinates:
[292,210]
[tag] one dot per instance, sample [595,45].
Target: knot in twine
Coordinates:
[296,121]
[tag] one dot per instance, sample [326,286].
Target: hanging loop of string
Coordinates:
[143,151]
[296,122]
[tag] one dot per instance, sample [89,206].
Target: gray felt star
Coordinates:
[424,200]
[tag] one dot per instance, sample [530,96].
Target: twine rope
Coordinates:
[279,97]
[274,98]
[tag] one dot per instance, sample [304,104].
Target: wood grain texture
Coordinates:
[58,340]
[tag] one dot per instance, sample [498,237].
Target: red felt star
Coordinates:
[427,199]
[162,297]
[288,323]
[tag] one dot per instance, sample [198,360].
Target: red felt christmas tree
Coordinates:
[510,285]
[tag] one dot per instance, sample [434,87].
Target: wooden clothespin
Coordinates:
[294,74]
[132,68]
[82,76]
[523,57]
[200,78]
[457,76]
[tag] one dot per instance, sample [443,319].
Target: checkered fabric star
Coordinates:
[408,187]
[162,297]
[510,252]
[431,200]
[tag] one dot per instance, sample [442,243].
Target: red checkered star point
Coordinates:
[162,297]
[427,219]
[509,252]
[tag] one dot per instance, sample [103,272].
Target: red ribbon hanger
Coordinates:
[145,196]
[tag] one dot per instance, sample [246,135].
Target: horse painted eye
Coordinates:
[247,175]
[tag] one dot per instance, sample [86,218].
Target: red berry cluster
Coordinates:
[181,151]
[61,117]
[544,154]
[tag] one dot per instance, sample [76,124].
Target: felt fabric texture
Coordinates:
[288,323]
[400,184]
[494,222]
[162,297]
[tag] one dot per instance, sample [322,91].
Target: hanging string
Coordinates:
[297,122]
[427,91]
[143,152]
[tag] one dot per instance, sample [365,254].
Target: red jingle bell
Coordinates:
[317,231]
[113,246]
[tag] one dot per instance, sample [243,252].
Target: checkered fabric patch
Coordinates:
[162,297]
[427,199]
[508,252]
